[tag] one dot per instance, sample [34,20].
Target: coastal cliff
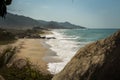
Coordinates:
[99,60]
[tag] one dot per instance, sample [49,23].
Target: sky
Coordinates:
[87,13]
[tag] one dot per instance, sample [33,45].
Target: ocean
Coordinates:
[69,41]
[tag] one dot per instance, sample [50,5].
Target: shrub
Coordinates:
[28,72]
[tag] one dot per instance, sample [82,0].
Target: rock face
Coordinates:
[96,61]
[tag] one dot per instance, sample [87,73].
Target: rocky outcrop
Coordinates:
[96,61]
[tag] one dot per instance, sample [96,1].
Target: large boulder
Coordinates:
[99,60]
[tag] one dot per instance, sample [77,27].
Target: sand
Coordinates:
[36,51]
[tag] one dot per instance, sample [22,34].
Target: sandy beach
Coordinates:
[36,51]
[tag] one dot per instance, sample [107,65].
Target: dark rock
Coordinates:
[43,37]
[1,78]
[96,61]
[50,38]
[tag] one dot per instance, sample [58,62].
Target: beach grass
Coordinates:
[27,72]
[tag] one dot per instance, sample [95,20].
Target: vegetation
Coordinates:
[29,33]
[3,8]
[6,37]
[11,35]
[28,72]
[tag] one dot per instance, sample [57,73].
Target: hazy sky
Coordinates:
[88,13]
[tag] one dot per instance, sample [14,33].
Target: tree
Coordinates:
[3,7]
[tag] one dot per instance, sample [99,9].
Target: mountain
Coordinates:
[17,21]
[59,25]
[99,60]
[42,22]
[22,22]
[69,25]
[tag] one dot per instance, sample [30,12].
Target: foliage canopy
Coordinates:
[3,7]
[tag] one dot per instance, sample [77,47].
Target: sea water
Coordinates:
[69,41]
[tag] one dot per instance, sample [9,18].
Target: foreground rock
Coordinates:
[97,61]
[20,63]
[1,78]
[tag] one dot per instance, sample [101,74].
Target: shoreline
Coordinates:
[37,52]
[50,55]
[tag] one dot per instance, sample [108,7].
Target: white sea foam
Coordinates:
[67,43]
[65,49]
